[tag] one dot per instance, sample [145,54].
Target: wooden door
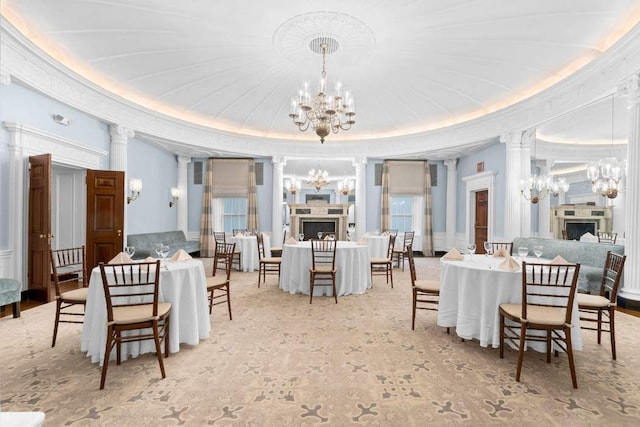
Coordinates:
[481,220]
[39,270]
[105,215]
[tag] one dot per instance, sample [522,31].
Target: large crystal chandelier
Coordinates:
[323,112]
[318,179]
[605,174]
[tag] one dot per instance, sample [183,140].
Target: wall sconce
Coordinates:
[135,187]
[175,194]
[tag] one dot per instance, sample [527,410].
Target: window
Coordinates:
[235,213]
[402,213]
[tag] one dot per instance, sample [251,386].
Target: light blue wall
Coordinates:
[21,105]
[493,157]
[158,171]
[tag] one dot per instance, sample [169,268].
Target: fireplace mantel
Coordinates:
[600,216]
[302,213]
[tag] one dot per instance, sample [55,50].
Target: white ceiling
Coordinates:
[411,65]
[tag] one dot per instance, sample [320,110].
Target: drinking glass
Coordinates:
[130,250]
[164,251]
[332,236]
[158,248]
[487,248]
[537,250]
[471,248]
[301,237]
[319,234]
[523,251]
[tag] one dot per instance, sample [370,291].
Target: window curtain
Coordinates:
[252,202]
[386,198]
[207,241]
[427,248]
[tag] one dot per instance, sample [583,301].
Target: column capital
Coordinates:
[451,163]
[119,132]
[183,160]
[631,89]
[278,160]
[359,161]
[528,137]
[511,138]
[5,79]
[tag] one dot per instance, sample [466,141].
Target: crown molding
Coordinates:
[28,65]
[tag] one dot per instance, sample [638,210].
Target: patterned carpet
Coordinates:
[283,362]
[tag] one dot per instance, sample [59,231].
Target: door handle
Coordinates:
[119,232]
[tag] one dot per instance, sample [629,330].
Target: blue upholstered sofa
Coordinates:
[145,242]
[10,290]
[591,257]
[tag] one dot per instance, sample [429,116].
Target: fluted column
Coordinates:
[276,211]
[631,287]
[528,140]
[118,149]
[452,189]
[544,206]
[17,215]
[361,196]
[183,202]
[513,173]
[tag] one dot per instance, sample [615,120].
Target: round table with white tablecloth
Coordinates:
[248,247]
[352,262]
[471,292]
[182,283]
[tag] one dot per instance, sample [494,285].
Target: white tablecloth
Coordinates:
[594,239]
[352,262]
[183,285]
[378,246]
[248,247]
[471,292]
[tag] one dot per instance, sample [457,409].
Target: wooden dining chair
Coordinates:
[69,266]
[323,266]
[133,307]
[548,292]
[218,286]
[565,235]
[266,265]
[508,246]
[277,250]
[219,260]
[384,266]
[426,293]
[607,237]
[593,308]
[401,254]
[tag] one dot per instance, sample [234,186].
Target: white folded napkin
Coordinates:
[149,259]
[587,234]
[362,242]
[366,235]
[454,255]
[559,260]
[292,241]
[509,264]
[502,252]
[327,237]
[385,234]
[121,258]
[181,255]
[240,235]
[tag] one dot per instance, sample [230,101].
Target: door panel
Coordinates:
[481,220]
[105,215]
[39,227]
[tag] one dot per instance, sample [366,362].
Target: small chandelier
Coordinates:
[605,175]
[292,186]
[535,188]
[323,112]
[345,186]
[558,186]
[318,179]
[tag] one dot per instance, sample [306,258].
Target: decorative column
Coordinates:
[276,212]
[17,216]
[528,139]
[183,202]
[452,184]
[118,150]
[631,287]
[544,206]
[513,173]
[360,164]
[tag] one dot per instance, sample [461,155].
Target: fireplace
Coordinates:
[577,229]
[309,218]
[311,227]
[580,219]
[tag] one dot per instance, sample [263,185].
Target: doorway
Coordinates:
[481,222]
